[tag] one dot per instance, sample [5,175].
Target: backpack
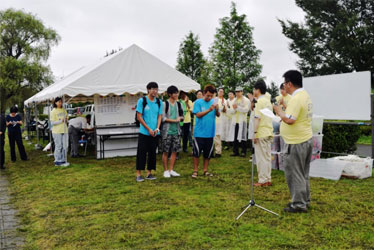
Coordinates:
[180,109]
[137,123]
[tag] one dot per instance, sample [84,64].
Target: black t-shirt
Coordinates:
[14,126]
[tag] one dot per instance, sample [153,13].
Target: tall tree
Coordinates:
[273,90]
[190,60]
[234,56]
[25,45]
[337,36]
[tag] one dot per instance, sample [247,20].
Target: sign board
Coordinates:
[115,110]
[342,96]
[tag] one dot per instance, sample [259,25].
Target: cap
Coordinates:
[237,89]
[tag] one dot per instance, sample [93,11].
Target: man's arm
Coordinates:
[285,118]
[141,120]
[203,113]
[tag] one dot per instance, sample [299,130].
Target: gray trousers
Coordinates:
[296,160]
[74,140]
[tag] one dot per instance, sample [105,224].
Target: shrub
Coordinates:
[365,130]
[339,138]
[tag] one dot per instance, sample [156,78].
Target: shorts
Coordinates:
[172,143]
[202,144]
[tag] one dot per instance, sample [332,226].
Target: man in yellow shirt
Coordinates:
[263,135]
[283,98]
[296,131]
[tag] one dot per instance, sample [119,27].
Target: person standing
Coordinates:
[238,130]
[75,127]
[14,122]
[230,111]
[171,131]
[59,118]
[296,131]
[2,140]
[205,129]
[199,95]
[283,98]
[263,135]
[186,128]
[149,114]
[220,123]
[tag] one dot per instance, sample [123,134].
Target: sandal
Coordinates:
[194,174]
[206,173]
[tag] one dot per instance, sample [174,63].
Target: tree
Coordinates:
[233,54]
[25,44]
[190,60]
[337,36]
[273,90]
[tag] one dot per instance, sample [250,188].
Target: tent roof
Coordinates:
[127,71]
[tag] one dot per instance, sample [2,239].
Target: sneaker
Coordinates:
[139,179]
[58,163]
[174,174]
[166,174]
[150,177]
[65,164]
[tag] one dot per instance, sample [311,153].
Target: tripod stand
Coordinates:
[252,202]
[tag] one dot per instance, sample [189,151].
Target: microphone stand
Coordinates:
[252,202]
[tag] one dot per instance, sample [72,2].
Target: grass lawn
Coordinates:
[98,205]
[364,139]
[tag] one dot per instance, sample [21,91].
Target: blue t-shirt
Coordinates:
[205,126]
[14,127]
[150,115]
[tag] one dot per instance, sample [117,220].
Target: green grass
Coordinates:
[364,139]
[96,204]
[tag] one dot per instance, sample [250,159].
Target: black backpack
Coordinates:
[137,123]
[180,109]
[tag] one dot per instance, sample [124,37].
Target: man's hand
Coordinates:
[281,102]
[250,97]
[224,109]
[1,133]
[277,109]
[255,140]
[151,132]
[213,106]
[235,106]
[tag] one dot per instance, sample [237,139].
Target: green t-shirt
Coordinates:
[173,129]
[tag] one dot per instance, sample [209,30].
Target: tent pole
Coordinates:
[37,145]
[50,128]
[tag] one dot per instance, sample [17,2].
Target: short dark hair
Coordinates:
[261,85]
[88,116]
[172,90]
[295,77]
[199,91]
[56,100]
[13,109]
[281,86]
[152,85]
[231,91]
[209,88]
[221,88]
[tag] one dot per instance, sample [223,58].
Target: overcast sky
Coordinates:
[89,28]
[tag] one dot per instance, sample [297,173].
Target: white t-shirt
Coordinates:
[78,122]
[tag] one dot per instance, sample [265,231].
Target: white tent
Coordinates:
[127,71]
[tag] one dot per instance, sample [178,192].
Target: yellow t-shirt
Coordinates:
[265,127]
[300,107]
[56,115]
[187,116]
[286,99]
